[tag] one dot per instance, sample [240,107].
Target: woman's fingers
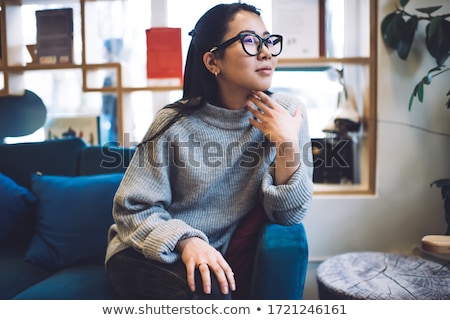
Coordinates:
[223,274]
[229,276]
[197,254]
[190,270]
[206,277]
[274,121]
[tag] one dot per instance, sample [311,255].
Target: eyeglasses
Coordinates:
[252,43]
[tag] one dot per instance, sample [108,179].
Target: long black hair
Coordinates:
[200,85]
[208,32]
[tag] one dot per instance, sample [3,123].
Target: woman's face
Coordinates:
[240,72]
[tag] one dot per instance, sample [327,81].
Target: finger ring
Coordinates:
[198,265]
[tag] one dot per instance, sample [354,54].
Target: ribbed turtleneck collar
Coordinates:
[224,118]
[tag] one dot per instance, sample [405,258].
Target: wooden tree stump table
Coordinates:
[382,276]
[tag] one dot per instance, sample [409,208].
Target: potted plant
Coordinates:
[399,28]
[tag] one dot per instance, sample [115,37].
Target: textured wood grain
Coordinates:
[436,243]
[382,276]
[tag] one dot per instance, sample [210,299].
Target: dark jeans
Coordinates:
[135,277]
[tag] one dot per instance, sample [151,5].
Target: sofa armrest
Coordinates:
[281,263]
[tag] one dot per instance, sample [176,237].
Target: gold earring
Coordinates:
[215,74]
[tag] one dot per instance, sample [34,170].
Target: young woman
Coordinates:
[206,162]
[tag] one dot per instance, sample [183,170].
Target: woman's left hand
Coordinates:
[274,121]
[196,253]
[281,128]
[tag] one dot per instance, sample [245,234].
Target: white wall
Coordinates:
[405,207]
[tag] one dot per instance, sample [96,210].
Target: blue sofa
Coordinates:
[55,210]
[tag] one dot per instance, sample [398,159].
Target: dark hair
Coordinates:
[208,32]
[200,86]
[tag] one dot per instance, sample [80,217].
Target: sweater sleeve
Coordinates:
[141,201]
[288,203]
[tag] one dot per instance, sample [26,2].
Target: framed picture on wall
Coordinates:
[65,127]
[302,25]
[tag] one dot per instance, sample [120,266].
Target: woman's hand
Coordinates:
[280,127]
[274,121]
[196,253]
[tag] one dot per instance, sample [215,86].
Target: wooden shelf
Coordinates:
[33,66]
[326,60]
[152,88]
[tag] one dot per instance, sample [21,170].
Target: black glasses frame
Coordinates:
[241,37]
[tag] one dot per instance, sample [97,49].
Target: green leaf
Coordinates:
[429,10]
[434,26]
[390,29]
[414,93]
[437,40]
[403,3]
[444,184]
[448,101]
[416,89]
[420,92]
[411,99]
[407,37]
[441,182]
[437,68]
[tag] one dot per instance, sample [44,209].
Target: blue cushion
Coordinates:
[73,216]
[15,201]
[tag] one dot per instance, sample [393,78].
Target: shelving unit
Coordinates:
[13,68]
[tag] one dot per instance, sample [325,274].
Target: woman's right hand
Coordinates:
[196,253]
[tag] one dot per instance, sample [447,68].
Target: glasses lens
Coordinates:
[274,44]
[251,44]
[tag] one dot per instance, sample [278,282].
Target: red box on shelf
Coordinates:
[164,56]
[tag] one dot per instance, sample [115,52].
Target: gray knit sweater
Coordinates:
[200,178]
